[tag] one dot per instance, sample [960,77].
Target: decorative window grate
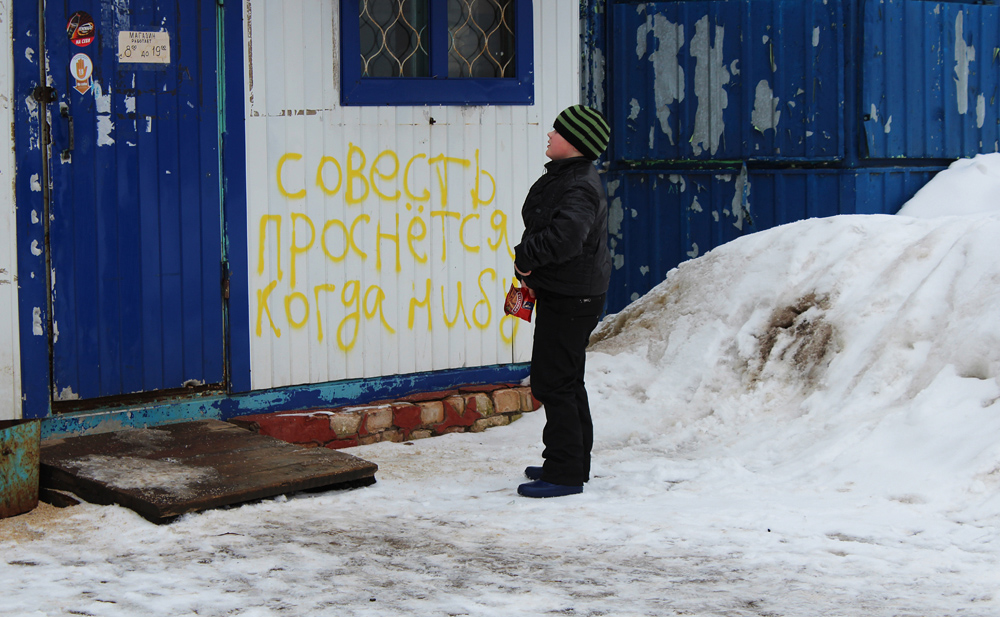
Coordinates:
[393,36]
[481,38]
[444,52]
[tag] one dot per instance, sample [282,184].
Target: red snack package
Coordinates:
[518,303]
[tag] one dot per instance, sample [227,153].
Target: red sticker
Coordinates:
[81,29]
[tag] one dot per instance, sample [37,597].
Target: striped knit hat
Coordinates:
[585,129]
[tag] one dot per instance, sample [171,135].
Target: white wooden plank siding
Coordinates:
[344,304]
[10,359]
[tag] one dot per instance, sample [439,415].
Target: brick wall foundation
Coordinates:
[471,408]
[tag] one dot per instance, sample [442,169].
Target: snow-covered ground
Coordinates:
[804,422]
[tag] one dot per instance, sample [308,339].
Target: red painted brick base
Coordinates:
[471,408]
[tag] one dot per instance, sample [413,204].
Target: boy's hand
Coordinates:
[524,286]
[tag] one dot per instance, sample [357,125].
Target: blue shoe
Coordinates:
[541,488]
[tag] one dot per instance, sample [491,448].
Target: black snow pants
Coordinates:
[558,357]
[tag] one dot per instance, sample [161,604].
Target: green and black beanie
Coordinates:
[585,129]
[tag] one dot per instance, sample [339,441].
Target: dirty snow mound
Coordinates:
[839,347]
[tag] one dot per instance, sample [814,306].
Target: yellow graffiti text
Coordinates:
[359,180]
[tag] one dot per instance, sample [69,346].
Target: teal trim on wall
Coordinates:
[317,396]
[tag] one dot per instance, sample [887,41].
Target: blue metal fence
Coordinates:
[754,79]
[660,218]
[734,116]
[930,79]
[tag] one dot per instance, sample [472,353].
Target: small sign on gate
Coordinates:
[81,29]
[144,47]
[82,69]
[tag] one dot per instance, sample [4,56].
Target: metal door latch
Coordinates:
[44,94]
[67,155]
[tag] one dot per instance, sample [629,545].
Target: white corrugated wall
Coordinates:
[10,360]
[342,290]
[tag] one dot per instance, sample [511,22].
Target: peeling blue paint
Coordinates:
[929,79]
[822,107]
[710,76]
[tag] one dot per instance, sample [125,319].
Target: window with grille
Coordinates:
[436,52]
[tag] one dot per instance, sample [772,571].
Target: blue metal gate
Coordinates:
[134,210]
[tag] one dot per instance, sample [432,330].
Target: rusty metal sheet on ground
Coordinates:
[169,470]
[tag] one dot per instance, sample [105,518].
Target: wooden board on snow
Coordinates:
[169,470]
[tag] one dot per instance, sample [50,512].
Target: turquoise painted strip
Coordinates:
[223,407]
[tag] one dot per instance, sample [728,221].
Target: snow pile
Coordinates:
[850,351]
[968,186]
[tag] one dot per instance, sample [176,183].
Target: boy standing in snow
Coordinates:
[564,262]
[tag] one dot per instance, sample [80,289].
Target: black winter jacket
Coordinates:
[565,241]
